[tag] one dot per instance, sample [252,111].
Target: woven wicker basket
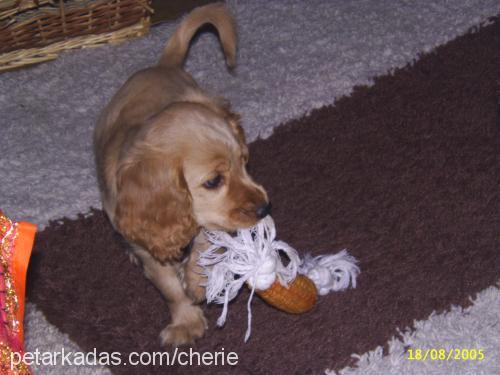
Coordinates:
[32,31]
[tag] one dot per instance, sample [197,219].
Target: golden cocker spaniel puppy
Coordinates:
[170,161]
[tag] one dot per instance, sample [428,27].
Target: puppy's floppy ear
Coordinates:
[154,208]
[221,106]
[234,121]
[239,133]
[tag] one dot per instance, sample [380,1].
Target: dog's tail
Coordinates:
[215,14]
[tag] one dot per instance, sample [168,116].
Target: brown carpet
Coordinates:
[403,174]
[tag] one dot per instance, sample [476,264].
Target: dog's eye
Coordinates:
[214,183]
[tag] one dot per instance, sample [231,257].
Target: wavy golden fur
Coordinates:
[171,160]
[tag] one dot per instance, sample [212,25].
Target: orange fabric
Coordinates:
[23,245]
[16,243]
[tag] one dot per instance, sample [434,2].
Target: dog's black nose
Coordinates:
[263,210]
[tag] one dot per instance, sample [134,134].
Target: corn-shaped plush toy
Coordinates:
[299,297]
[253,256]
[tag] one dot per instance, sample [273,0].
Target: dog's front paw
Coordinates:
[196,292]
[192,282]
[187,326]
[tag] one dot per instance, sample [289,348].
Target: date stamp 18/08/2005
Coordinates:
[440,354]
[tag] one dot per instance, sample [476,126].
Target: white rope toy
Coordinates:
[253,256]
